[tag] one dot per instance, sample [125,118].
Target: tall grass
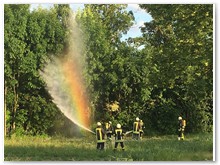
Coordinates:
[198,147]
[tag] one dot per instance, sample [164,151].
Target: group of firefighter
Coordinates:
[118,134]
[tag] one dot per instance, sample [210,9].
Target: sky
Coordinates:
[140,15]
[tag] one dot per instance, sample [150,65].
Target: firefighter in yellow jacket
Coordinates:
[141,123]
[181,128]
[136,129]
[109,129]
[100,136]
[118,137]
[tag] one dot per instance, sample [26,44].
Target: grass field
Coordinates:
[198,147]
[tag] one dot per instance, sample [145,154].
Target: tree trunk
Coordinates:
[5,93]
[15,87]
[14,108]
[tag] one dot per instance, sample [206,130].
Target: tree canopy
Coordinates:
[171,75]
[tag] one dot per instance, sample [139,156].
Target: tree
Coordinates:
[15,20]
[182,39]
[99,52]
[116,72]
[30,39]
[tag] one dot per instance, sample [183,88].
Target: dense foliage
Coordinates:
[182,73]
[171,75]
[29,38]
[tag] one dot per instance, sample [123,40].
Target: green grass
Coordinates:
[198,147]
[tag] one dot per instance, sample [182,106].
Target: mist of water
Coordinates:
[63,77]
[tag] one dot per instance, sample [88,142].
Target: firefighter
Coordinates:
[118,137]
[181,127]
[136,129]
[141,123]
[109,129]
[100,136]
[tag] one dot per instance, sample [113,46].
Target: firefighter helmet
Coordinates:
[99,124]
[179,118]
[118,126]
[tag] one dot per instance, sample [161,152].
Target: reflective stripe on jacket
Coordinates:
[99,135]
[108,128]
[136,128]
[118,135]
[141,126]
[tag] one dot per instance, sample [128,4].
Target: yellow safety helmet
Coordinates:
[179,118]
[137,119]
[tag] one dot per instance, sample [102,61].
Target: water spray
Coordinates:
[63,77]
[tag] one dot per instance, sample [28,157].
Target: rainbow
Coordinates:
[65,85]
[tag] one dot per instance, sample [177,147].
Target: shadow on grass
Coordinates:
[51,153]
[149,149]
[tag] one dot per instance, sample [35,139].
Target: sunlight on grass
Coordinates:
[164,148]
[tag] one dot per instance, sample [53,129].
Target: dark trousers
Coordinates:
[100,145]
[141,133]
[181,134]
[121,143]
[136,136]
[109,135]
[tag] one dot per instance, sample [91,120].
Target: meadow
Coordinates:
[195,147]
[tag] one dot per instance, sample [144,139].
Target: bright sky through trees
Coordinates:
[140,15]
